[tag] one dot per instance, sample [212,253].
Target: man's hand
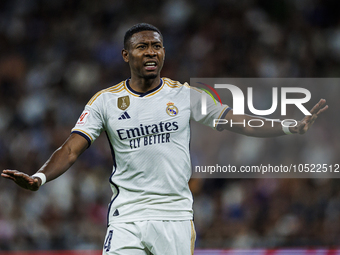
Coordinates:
[58,163]
[23,180]
[308,121]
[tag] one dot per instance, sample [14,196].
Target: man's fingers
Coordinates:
[35,181]
[318,106]
[18,174]
[22,177]
[322,110]
[17,177]
[9,172]
[8,176]
[313,117]
[308,120]
[301,128]
[23,180]
[14,174]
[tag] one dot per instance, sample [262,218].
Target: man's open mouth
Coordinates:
[150,65]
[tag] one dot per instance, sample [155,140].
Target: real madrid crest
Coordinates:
[123,102]
[171,109]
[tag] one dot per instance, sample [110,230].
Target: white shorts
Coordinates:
[150,238]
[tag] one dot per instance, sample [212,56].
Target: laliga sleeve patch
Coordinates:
[83,117]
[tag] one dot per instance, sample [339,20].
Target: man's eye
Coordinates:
[141,47]
[157,47]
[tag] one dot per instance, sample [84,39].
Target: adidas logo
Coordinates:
[116,213]
[124,116]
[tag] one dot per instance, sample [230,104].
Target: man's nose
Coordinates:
[150,51]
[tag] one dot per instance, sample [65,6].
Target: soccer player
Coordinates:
[146,119]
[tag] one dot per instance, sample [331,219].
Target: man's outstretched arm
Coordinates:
[61,160]
[239,123]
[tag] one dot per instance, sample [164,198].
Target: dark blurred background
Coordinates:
[55,54]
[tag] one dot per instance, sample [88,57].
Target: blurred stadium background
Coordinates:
[55,54]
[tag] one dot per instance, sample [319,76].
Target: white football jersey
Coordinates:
[149,135]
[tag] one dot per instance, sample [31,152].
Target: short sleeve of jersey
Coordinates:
[90,123]
[214,109]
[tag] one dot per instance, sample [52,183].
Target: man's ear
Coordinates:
[125,55]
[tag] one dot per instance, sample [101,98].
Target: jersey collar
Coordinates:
[146,94]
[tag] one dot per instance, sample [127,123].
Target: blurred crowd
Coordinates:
[55,54]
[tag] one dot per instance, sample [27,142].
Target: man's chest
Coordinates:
[129,117]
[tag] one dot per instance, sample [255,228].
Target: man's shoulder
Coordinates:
[114,90]
[174,84]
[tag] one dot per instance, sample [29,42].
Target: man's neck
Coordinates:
[143,85]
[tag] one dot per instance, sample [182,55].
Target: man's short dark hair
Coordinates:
[139,28]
